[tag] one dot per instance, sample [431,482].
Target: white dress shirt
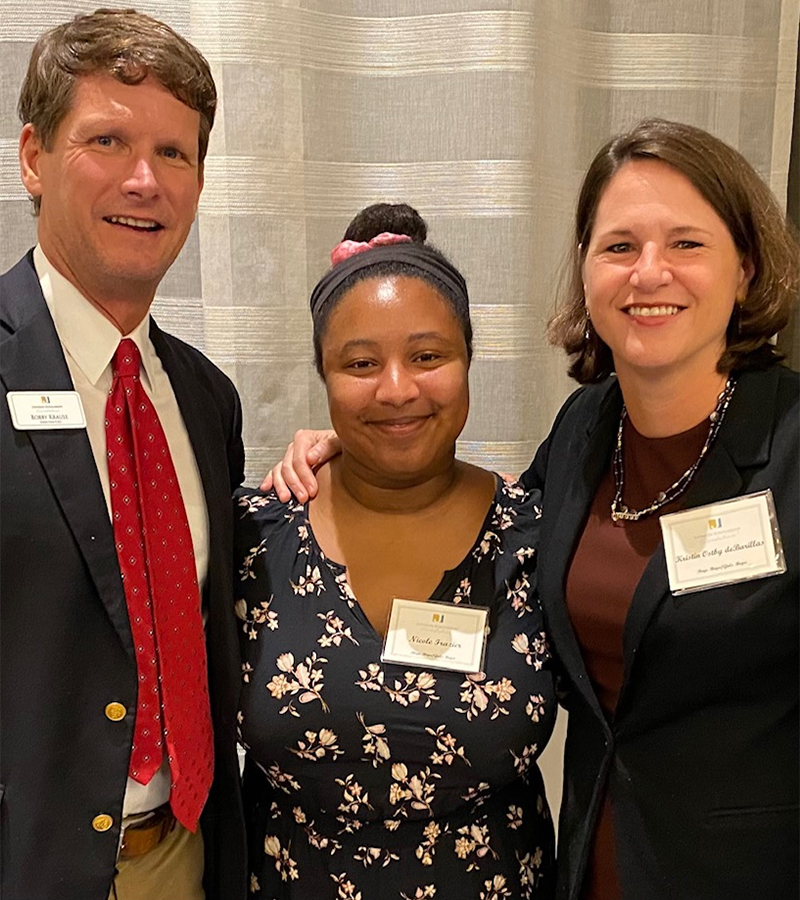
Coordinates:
[89,341]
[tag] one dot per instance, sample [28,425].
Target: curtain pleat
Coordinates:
[483,115]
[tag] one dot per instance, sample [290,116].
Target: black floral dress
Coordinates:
[376,781]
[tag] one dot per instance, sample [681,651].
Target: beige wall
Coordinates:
[551,762]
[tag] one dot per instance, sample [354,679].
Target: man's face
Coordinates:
[119,188]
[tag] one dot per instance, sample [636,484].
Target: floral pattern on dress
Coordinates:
[367,779]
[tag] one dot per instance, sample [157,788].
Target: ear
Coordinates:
[30,154]
[201,180]
[748,271]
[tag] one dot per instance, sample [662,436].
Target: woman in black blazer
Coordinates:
[681,769]
[681,681]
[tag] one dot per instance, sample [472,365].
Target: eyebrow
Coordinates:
[677,230]
[355,343]
[102,122]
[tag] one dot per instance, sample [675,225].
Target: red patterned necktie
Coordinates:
[156,558]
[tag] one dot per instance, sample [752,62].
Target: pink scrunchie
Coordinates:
[346,249]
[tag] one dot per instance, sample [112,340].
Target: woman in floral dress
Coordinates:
[368,776]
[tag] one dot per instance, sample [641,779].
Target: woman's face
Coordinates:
[395,367]
[661,273]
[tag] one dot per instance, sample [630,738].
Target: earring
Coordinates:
[587,325]
[735,324]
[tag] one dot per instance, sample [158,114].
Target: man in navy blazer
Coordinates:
[116,111]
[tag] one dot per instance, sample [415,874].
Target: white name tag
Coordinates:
[34,410]
[723,543]
[436,635]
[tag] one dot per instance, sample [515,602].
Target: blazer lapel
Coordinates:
[720,478]
[32,359]
[588,461]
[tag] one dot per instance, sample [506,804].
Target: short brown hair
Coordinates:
[740,198]
[125,44]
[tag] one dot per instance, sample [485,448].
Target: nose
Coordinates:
[650,271]
[396,385]
[141,179]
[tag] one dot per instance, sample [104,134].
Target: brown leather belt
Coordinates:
[142,837]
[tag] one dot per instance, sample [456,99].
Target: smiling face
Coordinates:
[395,368]
[119,190]
[661,273]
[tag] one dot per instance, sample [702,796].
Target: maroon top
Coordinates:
[605,570]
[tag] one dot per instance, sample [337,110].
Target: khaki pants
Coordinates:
[173,870]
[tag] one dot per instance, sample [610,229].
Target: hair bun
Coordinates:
[397,218]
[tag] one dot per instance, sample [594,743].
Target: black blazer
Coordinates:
[65,642]
[701,760]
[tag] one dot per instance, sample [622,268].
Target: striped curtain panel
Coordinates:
[481,114]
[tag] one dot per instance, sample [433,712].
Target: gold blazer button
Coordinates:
[115,712]
[102,822]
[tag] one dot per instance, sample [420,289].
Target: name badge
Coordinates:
[436,635]
[723,543]
[36,410]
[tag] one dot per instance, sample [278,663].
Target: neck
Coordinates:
[125,305]
[379,494]
[122,315]
[663,405]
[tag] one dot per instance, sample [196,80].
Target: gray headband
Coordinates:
[418,256]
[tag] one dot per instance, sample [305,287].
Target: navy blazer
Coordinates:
[65,641]
[701,759]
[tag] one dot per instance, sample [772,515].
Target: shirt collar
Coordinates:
[85,333]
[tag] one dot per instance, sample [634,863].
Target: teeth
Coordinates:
[653,310]
[134,223]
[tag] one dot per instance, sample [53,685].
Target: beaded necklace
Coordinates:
[620,512]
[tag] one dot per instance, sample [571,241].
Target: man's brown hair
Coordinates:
[125,44]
